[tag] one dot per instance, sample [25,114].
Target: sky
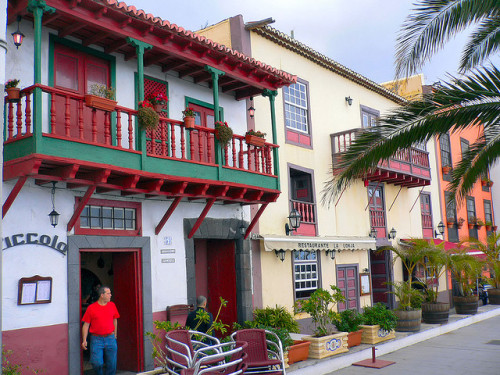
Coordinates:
[360,34]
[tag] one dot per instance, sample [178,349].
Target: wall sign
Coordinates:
[35,239]
[34,290]
[365,283]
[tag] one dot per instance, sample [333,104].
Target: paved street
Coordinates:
[474,349]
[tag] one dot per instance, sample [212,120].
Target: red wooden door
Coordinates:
[76,72]
[380,268]
[221,278]
[128,299]
[202,141]
[347,281]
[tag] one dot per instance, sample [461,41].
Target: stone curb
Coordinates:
[336,363]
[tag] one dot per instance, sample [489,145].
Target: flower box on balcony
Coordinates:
[13,94]
[254,140]
[97,102]
[446,169]
[450,222]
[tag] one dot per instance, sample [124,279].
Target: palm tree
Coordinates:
[472,101]
[492,251]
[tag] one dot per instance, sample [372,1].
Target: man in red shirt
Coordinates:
[102,318]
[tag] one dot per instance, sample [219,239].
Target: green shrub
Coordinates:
[278,317]
[349,321]
[148,118]
[379,314]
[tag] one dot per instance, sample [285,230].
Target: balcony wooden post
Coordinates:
[140,47]
[215,73]
[272,97]
[38,8]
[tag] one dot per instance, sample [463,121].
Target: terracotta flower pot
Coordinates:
[354,338]
[97,102]
[13,93]
[158,107]
[254,140]
[189,122]
[299,351]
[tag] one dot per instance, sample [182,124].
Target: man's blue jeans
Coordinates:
[103,350]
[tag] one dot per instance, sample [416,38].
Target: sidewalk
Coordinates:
[402,340]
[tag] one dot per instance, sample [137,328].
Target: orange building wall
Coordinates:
[471,135]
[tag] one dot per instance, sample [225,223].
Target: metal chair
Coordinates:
[181,352]
[264,355]
[235,365]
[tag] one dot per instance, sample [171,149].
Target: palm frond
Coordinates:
[432,24]
[457,105]
[484,42]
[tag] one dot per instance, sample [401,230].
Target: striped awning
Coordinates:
[275,242]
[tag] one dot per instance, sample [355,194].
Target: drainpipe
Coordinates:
[140,47]
[215,73]
[272,97]
[38,7]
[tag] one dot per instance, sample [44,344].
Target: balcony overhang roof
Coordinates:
[108,24]
[130,182]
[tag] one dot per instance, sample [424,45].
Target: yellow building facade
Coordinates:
[337,242]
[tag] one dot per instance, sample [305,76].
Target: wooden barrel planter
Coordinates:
[466,305]
[494,296]
[435,313]
[408,321]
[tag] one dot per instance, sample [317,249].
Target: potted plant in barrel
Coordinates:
[157,100]
[379,324]
[350,321]
[435,261]
[255,138]
[223,133]
[13,92]
[465,269]
[101,97]
[320,307]
[148,118]
[409,311]
[492,251]
[188,116]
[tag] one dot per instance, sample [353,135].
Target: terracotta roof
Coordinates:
[196,38]
[284,40]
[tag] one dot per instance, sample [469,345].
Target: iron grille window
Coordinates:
[296,107]
[112,218]
[305,265]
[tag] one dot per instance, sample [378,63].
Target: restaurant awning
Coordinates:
[275,242]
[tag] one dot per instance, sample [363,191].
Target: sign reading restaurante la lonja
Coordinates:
[34,239]
[325,245]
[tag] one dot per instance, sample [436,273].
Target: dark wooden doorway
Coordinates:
[381,263]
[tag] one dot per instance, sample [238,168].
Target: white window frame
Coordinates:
[299,104]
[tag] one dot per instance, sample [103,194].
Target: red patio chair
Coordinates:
[264,355]
[181,352]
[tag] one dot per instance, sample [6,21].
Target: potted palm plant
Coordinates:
[379,324]
[13,92]
[409,311]
[101,97]
[492,251]
[320,307]
[465,269]
[435,261]
[350,321]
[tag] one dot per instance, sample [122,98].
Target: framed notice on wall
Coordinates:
[365,283]
[34,290]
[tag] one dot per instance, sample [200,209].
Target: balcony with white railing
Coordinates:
[408,168]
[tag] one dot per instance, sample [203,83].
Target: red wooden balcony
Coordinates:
[75,143]
[308,212]
[408,168]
